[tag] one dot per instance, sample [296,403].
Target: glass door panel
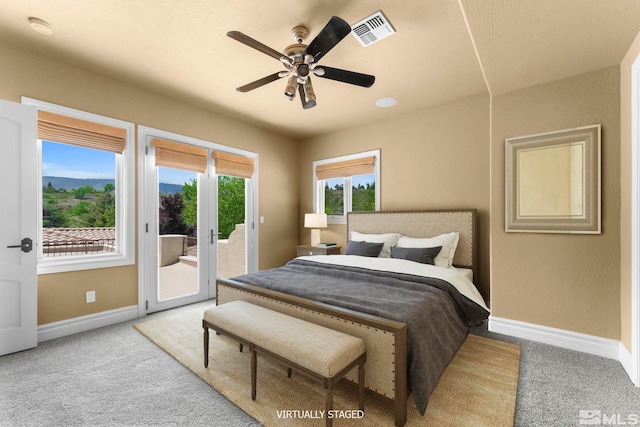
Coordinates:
[177,233]
[232,234]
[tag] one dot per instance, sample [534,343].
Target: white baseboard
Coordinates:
[63,328]
[626,361]
[577,341]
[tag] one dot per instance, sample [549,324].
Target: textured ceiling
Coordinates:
[443,50]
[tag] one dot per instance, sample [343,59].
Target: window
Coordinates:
[87,172]
[347,184]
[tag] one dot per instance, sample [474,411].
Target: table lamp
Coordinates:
[315,222]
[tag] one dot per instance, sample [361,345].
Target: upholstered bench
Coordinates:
[304,346]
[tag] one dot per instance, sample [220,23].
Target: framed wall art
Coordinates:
[553,182]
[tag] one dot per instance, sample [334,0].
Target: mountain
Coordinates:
[60,182]
[169,188]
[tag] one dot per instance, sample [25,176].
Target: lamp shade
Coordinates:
[315,220]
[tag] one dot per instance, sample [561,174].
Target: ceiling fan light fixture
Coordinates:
[290,90]
[309,98]
[309,94]
[386,102]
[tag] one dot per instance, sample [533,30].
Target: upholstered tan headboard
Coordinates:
[423,224]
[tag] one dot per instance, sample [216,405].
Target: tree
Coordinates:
[109,188]
[231,204]
[190,200]
[334,199]
[363,198]
[80,192]
[170,214]
[75,215]
[103,212]
[52,215]
[100,213]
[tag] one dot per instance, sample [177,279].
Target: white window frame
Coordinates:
[125,197]
[318,185]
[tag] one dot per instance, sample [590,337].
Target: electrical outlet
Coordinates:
[91,296]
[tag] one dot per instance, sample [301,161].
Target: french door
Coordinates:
[197,225]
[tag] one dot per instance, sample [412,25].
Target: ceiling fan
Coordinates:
[301,61]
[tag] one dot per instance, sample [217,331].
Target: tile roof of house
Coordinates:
[70,236]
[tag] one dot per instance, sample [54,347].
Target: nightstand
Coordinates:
[313,250]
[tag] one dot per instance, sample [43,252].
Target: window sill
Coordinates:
[84,262]
[336,219]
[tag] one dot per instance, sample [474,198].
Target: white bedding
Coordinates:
[451,275]
[468,273]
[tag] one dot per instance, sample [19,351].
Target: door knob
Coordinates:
[25,245]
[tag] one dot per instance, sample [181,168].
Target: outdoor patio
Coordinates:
[178,272]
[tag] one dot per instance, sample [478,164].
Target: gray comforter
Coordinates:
[437,315]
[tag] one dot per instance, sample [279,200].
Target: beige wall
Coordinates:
[436,158]
[563,281]
[61,296]
[626,195]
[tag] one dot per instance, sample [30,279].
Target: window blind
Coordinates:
[233,164]
[177,155]
[361,166]
[70,130]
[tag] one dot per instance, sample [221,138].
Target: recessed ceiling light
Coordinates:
[386,102]
[40,26]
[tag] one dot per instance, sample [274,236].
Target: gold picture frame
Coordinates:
[553,182]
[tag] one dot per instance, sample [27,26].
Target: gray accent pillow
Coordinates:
[363,248]
[421,255]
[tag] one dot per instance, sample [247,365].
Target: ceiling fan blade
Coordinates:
[335,30]
[351,77]
[245,39]
[261,82]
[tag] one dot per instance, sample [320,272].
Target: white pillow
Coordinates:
[448,241]
[389,240]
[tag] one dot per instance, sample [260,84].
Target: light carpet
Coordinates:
[479,386]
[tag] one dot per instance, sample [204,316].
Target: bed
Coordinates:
[411,331]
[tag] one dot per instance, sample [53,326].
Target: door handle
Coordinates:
[213,237]
[25,245]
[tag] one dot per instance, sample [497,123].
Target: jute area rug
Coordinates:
[478,387]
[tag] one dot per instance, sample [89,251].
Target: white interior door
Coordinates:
[18,228]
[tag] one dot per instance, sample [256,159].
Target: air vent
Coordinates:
[372,29]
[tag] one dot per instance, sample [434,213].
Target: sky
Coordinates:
[71,161]
[175,176]
[355,180]
[76,162]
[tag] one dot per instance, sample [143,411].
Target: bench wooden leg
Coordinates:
[254,368]
[206,345]
[361,385]
[328,401]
